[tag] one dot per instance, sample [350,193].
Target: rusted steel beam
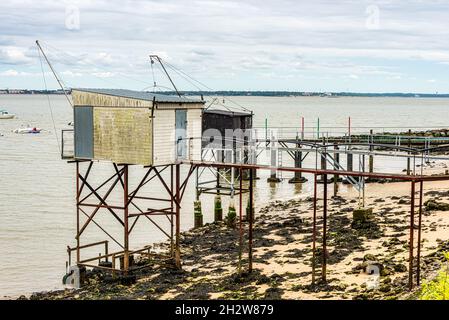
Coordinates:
[77,214]
[100,267]
[240,220]
[314,228]
[102,185]
[178,214]
[151,220]
[323,269]
[102,199]
[126,219]
[172,247]
[163,211]
[134,223]
[102,229]
[321,171]
[86,175]
[134,193]
[101,206]
[184,184]
[88,245]
[152,198]
[418,267]
[412,231]
[172,196]
[251,219]
[152,177]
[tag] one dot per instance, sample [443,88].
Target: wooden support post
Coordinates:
[273,172]
[323,162]
[197,214]
[297,178]
[349,161]
[336,167]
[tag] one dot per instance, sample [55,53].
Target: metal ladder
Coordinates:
[279,163]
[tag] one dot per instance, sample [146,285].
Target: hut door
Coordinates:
[181,133]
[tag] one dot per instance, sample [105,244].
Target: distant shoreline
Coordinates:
[256,93]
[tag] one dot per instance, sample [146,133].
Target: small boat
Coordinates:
[28,130]
[5,115]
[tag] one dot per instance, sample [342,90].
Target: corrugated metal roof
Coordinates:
[140,95]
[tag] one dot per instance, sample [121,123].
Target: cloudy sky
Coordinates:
[360,46]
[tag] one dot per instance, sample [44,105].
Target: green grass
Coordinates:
[438,288]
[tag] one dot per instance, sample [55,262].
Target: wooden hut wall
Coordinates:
[164,135]
[122,127]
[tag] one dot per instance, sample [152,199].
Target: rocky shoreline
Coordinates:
[283,253]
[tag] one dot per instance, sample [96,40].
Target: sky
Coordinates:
[333,46]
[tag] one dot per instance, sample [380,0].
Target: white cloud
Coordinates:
[9,73]
[14,55]
[103,74]
[212,39]
[68,73]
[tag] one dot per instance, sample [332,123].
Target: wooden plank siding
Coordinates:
[164,136]
[124,131]
[194,131]
[122,136]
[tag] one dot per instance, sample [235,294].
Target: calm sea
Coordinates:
[37,188]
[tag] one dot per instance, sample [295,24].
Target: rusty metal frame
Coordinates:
[175,189]
[413,179]
[129,212]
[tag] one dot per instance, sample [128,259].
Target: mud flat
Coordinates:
[283,253]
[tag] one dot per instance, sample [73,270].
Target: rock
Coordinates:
[386,272]
[369,257]
[433,205]
[362,214]
[385,287]
[386,280]
[400,267]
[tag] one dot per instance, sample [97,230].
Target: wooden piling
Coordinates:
[336,167]
[273,174]
[298,178]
